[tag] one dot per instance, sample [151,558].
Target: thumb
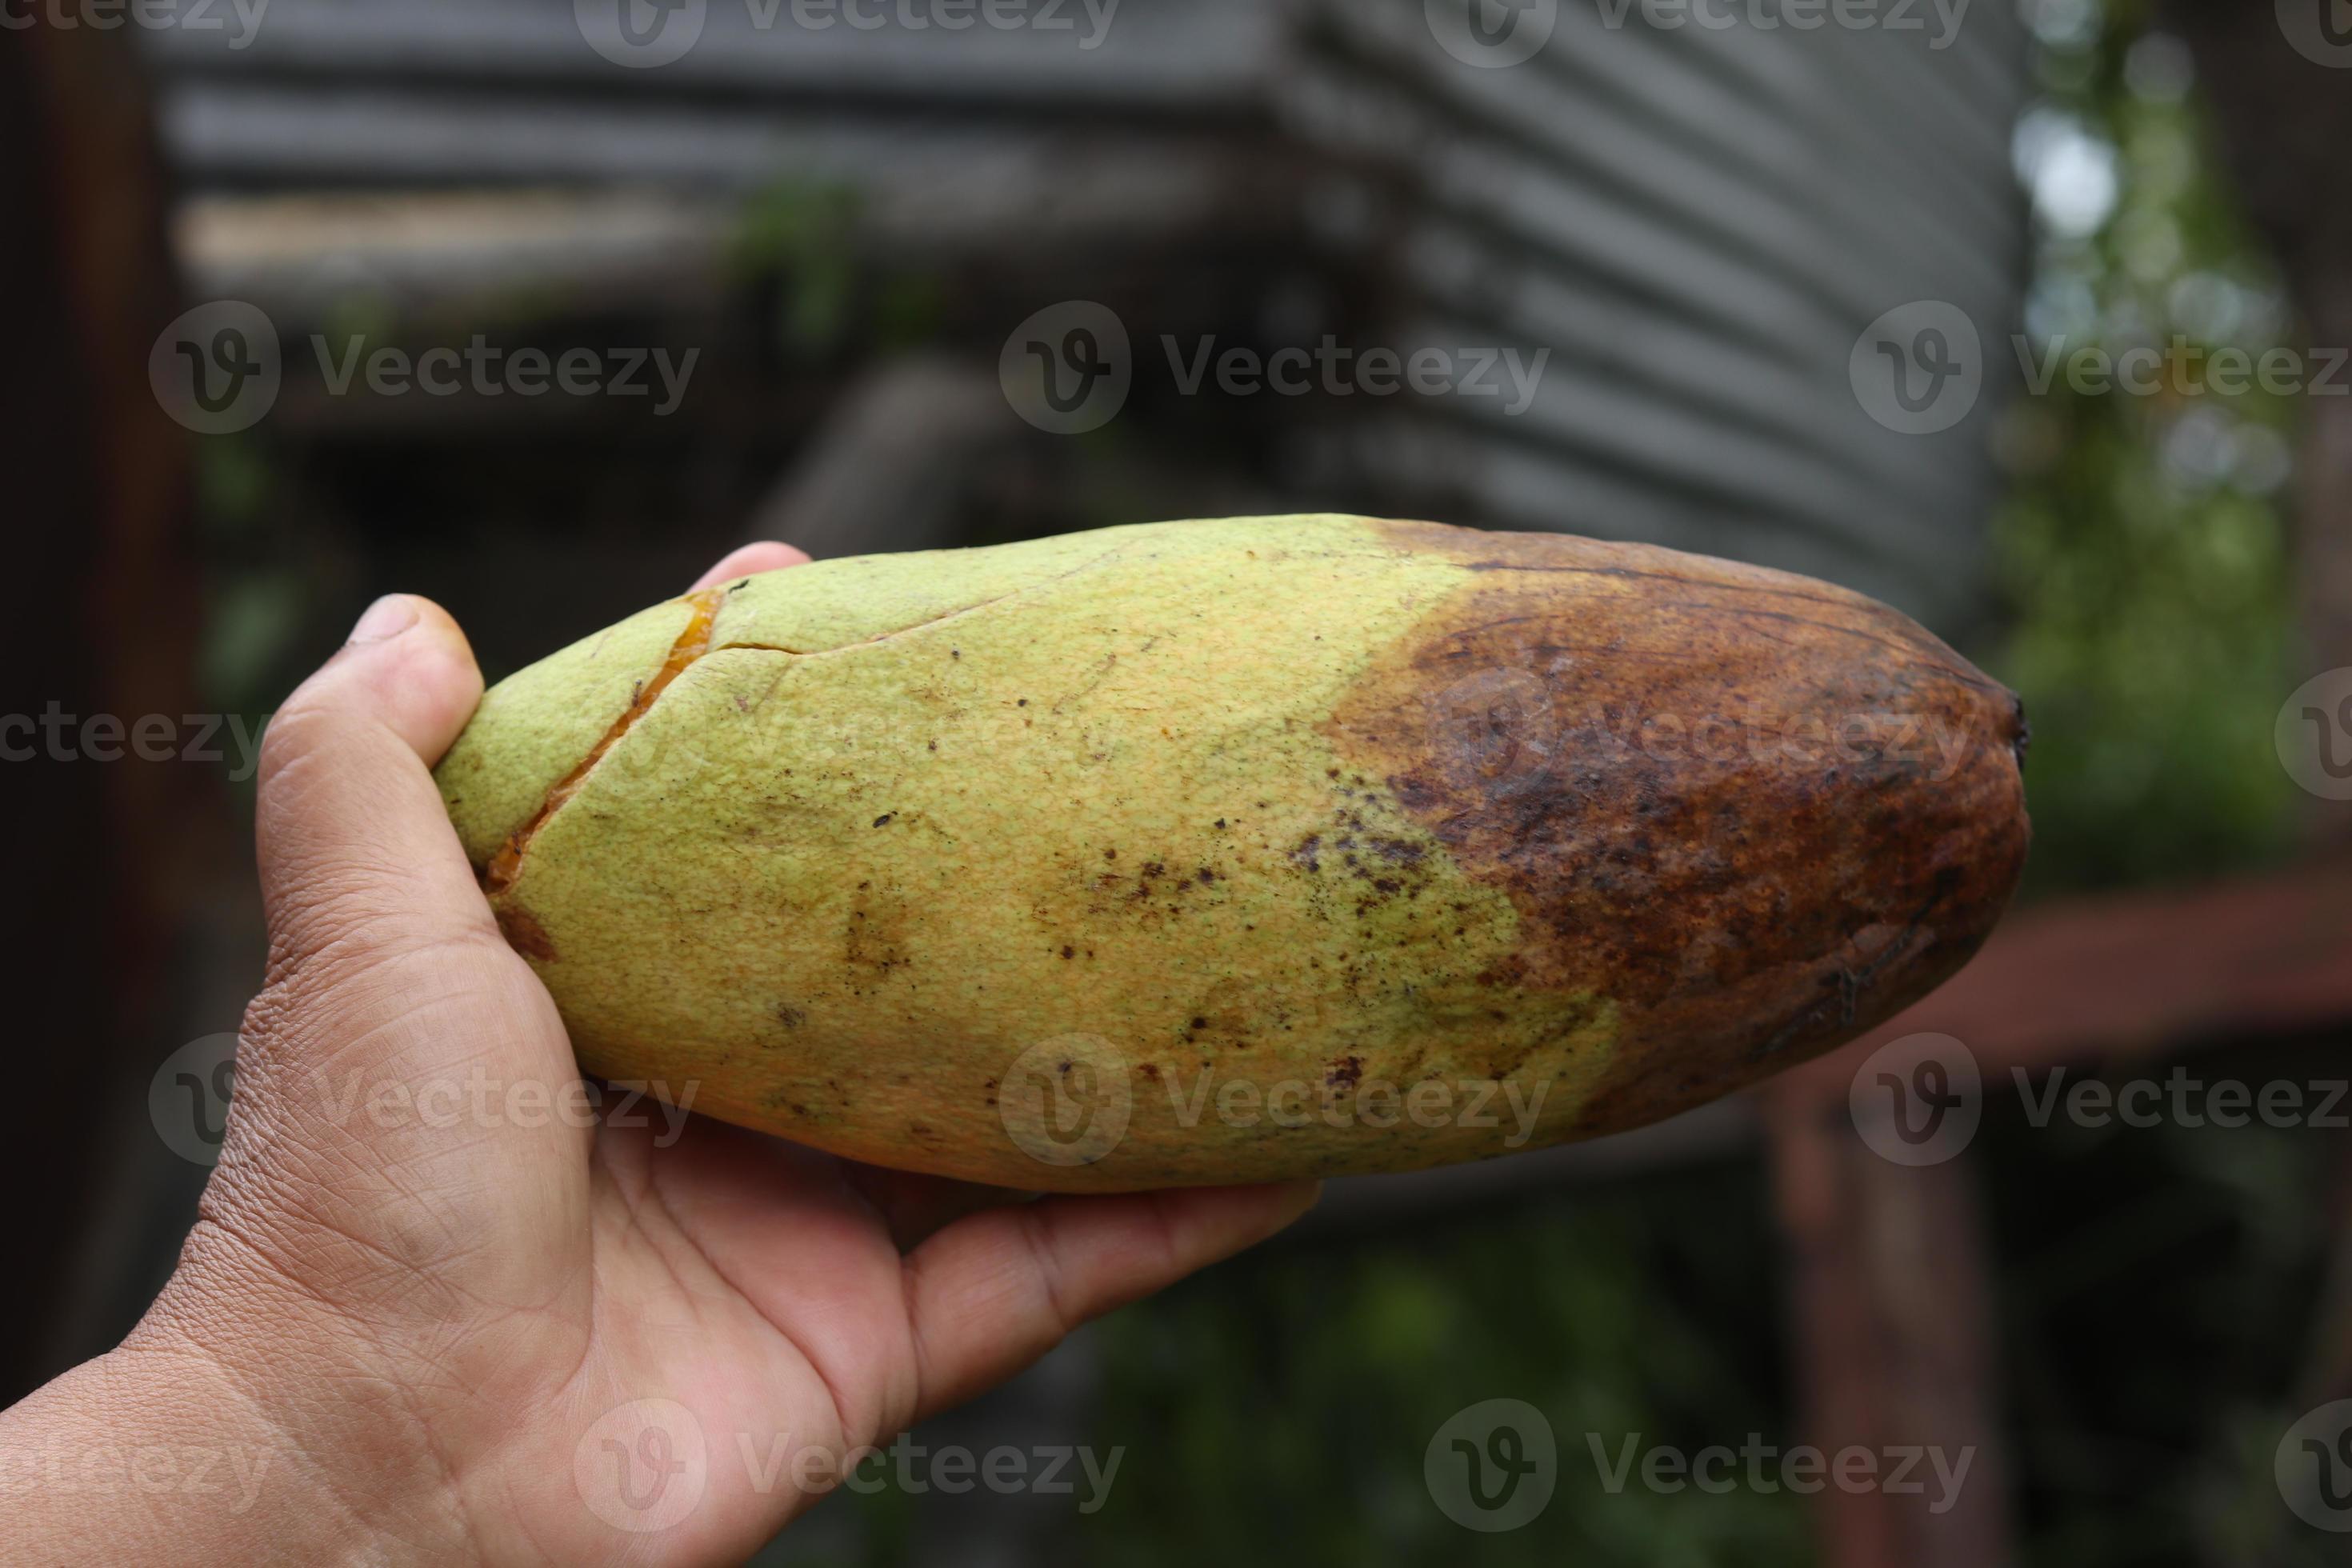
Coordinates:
[387,978]
[357,855]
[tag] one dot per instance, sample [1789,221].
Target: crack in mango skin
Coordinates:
[1213,800]
[507,864]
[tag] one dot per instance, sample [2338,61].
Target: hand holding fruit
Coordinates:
[413,1333]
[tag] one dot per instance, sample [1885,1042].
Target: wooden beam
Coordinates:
[2134,974]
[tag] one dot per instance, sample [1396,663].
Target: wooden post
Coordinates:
[102,622]
[1893,1320]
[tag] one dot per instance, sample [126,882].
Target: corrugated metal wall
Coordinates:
[1697,221]
[1699,224]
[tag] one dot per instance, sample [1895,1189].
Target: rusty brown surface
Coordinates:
[1894,1343]
[1757,812]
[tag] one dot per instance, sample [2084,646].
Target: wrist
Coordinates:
[211,1436]
[143,1454]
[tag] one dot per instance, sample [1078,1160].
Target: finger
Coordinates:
[916,1207]
[766,555]
[357,854]
[992,1293]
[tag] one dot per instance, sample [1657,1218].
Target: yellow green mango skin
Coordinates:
[1185,853]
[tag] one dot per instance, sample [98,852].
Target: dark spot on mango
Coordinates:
[1734,905]
[525,934]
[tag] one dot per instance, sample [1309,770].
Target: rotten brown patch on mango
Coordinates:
[1756,813]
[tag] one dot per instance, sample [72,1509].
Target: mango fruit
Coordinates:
[1232,850]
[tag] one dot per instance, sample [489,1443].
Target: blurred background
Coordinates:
[537,308]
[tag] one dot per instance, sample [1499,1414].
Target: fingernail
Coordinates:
[385,619]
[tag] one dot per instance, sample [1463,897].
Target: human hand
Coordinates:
[452,1335]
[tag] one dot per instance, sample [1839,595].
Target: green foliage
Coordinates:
[1280,1411]
[2143,545]
[800,236]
